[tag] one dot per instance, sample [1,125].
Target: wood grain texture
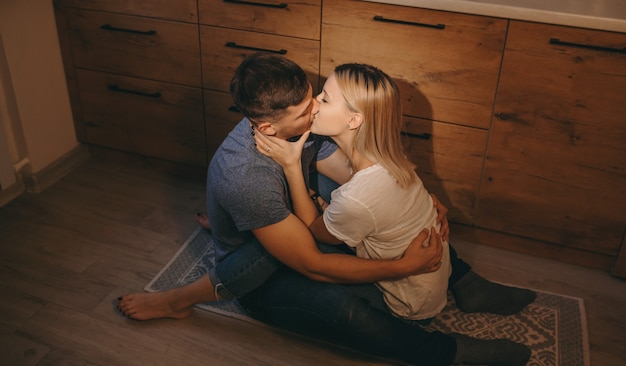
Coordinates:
[556,164]
[143,47]
[449,162]
[223,49]
[448,74]
[299,19]
[183,10]
[110,226]
[166,121]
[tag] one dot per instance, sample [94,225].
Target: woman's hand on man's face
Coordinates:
[285,153]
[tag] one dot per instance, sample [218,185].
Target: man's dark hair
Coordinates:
[264,85]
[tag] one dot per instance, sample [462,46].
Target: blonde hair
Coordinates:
[372,93]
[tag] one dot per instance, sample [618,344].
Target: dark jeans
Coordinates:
[353,316]
[242,270]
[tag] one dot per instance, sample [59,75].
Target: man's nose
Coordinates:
[316,106]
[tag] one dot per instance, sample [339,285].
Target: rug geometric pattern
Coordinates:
[553,327]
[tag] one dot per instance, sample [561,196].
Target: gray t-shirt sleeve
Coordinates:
[258,199]
[326,148]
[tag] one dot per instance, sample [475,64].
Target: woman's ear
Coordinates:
[266,128]
[355,121]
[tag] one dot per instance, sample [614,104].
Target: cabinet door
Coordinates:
[447,64]
[181,10]
[556,161]
[288,18]
[224,49]
[142,116]
[449,161]
[135,46]
[220,118]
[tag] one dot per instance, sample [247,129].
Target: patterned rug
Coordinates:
[553,327]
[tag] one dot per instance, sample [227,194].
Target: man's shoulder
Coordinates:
[249,176]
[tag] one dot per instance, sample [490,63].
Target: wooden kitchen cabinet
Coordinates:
[232,30]
[182,10]
[144,116]
[221,116]
[449,161]
[135,79]
[447,67]
[517,127]
[224,49]
[135,46]
[446,64]
[555,169]
[299,19]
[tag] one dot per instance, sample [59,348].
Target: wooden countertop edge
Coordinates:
[516,13]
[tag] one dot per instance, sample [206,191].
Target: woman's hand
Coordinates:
[286,154]
[442,220]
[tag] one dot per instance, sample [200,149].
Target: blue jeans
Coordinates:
[345,315]
[353,316]
[242,271]
[250,265]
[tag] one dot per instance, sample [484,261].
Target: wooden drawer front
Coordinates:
[449,161]
[287,18]
[164,50]
[220,118]
[181,10]
[445,74]
[556,163]
[224,49]
[141,116]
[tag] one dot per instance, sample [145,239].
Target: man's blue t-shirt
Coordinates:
[247,190]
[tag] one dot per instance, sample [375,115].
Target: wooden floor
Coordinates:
[109,227]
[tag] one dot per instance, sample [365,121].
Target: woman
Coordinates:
[385,204]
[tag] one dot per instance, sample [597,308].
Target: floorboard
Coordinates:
[108,227]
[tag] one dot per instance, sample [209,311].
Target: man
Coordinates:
[314,292]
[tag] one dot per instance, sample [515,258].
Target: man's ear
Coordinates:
[355,121]
[266,128]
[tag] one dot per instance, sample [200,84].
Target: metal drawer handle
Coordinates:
[116,88]
[423,136]
[109,27]
[587,46]
[254,3]
[379,18]
[235,45]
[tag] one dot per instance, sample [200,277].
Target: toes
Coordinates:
[117,307]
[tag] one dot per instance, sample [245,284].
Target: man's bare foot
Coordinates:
[176,303]
[203,220]
[145,306]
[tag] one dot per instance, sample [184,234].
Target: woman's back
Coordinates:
[373,214]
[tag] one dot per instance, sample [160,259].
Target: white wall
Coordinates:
[36,118]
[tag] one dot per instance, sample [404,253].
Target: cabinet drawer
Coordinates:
[446,64]
[556,163]
[135,46]
[142,116]
[224,49]
[181,10]
[221,116]
[449,161]
[289,18]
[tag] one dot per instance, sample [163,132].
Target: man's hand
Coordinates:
[424,259]
[442,220]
